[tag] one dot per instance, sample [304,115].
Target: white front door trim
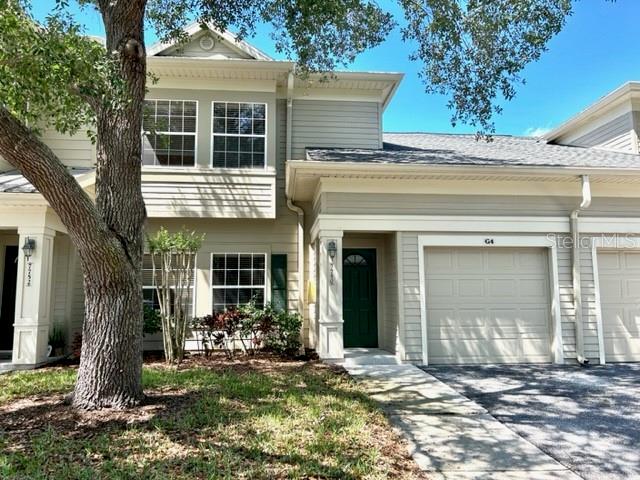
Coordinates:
[495,241]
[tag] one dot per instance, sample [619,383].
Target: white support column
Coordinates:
[33,298]
[330,322]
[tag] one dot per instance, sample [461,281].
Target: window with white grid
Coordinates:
[169,133]
[239,135]
[237,279]
[149,293]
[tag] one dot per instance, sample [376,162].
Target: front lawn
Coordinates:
[212,418]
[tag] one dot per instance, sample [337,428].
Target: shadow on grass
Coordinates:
[246,421]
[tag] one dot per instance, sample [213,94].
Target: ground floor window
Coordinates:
[149,293]
[237,279]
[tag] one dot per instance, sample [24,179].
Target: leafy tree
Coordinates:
[173,260]
[51,76]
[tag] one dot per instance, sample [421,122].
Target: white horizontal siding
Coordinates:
[390,334]
[430,204]
[615,134]
[410,291]
[74,151]
[334,124]
[191,194]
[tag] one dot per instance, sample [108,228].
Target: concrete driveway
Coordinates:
[588,419]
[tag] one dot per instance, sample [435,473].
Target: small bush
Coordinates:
[152,321]
[284,336]
[251,328]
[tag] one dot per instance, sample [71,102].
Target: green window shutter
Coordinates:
[279,281]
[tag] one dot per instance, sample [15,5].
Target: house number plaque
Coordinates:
[29,273]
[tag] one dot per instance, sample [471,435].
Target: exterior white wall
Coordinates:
[433,204]
[389,327]
[334,124]
[614,134]
[75,151]
[611,129]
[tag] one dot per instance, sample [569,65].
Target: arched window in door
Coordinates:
[355,259]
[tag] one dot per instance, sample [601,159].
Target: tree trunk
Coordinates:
[108,235]
[111,360]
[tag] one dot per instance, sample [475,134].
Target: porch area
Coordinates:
[354,315]
[37,271]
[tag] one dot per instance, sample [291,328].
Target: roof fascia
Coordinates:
[195,28]
[621,94]
[316,167]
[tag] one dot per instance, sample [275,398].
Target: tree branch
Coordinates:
[44,170]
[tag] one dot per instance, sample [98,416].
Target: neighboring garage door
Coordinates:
[487,305]
[619,274]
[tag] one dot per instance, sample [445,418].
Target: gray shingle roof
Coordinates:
[465,150]
[14,182]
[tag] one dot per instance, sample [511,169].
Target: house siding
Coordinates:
[410,288]
[614,134]
[426,204]
[390,321]
[334,124]
[411,306]
[74,151]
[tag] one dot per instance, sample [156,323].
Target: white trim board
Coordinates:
[499,241]
[470,223]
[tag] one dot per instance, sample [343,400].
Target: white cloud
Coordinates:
[536,131]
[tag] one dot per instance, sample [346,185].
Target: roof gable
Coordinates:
[208,43]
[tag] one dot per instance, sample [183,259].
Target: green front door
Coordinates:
[360,302]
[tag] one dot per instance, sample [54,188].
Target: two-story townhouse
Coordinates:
[220,123]
[436,248]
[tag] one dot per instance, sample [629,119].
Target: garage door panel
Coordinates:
[443,288]
[619,275]
[609,261]
[503,261]
[502,288]
[612,289]
[532,262]
[491,306]
[631,261]
[632,289]
[471,288]
[537,289]
[468,259]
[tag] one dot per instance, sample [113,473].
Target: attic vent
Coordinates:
[207,43]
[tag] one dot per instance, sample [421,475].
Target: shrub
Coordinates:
[152,320]
[57,337]
[250,327]
[284,337]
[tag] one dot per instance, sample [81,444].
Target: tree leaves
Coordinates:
[51,75]
[475,50]
[319,35]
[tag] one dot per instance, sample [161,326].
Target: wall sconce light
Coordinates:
[28,247]
[332,248]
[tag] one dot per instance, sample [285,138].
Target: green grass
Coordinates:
[287,421]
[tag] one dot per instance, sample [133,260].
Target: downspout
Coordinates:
[290,205]
[577,288]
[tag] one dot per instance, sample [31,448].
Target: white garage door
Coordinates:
[487,305]
[619,273]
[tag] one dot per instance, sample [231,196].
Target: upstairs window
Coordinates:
[239,135]
[169,133]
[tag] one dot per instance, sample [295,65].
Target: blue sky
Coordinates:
[595,53]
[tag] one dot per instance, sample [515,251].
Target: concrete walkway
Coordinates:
[450,436]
